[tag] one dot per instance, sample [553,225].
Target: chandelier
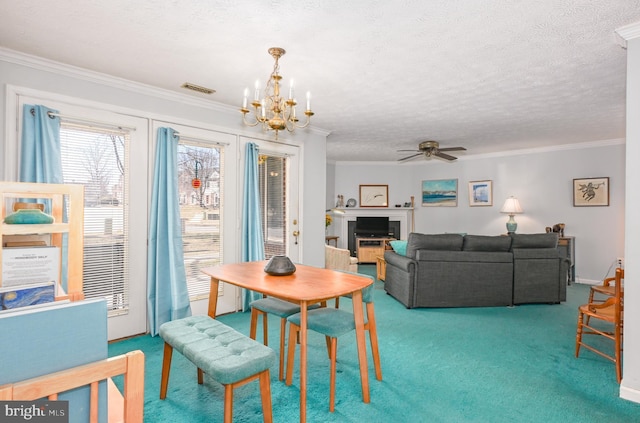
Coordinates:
[272,110]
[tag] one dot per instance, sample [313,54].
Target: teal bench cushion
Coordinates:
[220,351]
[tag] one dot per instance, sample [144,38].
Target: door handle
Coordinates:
[296,234]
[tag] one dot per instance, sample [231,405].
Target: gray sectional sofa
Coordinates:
[454,270]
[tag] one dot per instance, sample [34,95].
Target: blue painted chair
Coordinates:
[333,323]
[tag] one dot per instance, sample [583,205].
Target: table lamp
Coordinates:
[511,207]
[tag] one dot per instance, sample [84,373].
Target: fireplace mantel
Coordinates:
[402,214]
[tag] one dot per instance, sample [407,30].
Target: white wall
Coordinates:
[630,387]
[541,180]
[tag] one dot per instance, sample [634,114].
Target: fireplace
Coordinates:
[400,223]
[394,232]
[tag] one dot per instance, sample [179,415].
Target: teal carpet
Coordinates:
[488,365]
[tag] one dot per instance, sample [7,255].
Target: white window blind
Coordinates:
[273,203]
[98,159]
[200,210]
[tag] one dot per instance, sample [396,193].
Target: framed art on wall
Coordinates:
[374,195]
[440,193]
[588,192]
[480,193]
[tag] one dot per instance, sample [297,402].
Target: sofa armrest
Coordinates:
[400,277]
[394,259]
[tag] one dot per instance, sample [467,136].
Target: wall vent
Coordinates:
[197,88]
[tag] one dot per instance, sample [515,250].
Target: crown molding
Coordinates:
[506,153]
[626,33]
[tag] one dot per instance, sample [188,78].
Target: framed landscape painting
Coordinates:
[480,193]
[440,193]
[588,192]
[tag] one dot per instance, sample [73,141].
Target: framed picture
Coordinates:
[440,193]
[374,195]
[480,193]
[589,192]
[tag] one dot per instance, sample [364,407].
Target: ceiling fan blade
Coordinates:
[415,151]
[453,149]
[409,157]
[444,156]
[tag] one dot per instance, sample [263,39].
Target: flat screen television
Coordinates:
[372,226]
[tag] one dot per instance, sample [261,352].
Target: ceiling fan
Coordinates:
[432,148]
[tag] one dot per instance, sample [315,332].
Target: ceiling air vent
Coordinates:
[197,88]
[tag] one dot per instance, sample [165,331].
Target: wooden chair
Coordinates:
[128,409]
[333,323]
[607,288]
[283,309]
[609,313]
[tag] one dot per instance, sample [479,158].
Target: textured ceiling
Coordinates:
[488,75]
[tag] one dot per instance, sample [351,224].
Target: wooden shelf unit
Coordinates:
[11,192]
[369,249]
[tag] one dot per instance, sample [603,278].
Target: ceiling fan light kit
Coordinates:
[432,149]
[273,111]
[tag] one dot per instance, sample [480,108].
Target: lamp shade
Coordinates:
[511,206]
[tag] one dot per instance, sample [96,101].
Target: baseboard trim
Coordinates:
[628,393]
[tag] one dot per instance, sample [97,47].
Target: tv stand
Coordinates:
[369,249]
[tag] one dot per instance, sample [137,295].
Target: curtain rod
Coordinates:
[91,121]
[188,138]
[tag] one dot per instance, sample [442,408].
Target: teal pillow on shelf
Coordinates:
[400,247]
[28,217]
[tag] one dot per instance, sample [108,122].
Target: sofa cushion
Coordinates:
[547,240]
[486,243]
[442,257]
[446,242]
[399,247]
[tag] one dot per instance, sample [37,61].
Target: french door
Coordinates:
[97,147]
[279,176]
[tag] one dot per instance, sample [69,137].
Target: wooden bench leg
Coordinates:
[265,393]
[228,403]
[200,376]
[166,366]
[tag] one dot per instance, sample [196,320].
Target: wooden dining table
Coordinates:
[308,285]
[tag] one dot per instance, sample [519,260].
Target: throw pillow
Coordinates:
[400,247]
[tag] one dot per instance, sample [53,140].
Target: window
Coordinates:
[98,159]
[200,186]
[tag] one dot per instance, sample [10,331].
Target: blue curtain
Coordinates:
[41,159]
[252,240]
[167,295]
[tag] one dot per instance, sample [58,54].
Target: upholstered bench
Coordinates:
[226,355]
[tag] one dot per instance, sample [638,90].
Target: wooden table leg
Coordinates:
[358,315]
[213,298]
[303,361]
